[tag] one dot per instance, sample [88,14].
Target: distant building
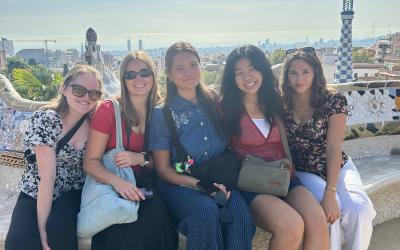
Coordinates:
[367,71]
[38,54]
[82,51]
[214,67]
[395,38]
[392,63]
[140,44]
[382,49]
[329,58]
[72,56]
[386,49]
[7,46]
[129,45]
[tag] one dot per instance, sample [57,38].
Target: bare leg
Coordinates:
[316,233]
[274,215]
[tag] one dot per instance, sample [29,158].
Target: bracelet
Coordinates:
[333,189]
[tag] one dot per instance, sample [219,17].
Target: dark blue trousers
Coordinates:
[196,216]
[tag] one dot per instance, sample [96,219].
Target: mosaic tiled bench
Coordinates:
[373,126]
[380,174]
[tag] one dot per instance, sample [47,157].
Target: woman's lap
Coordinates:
[249,196]
[61,223]
[152,230]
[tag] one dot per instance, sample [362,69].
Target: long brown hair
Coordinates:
[128,110]
[59,103]
[318,88]
[206,96]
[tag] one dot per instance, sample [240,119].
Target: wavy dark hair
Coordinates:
[207,97]
[318,88]
[232,105]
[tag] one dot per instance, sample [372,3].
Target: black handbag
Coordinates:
[30,156]
[223,169]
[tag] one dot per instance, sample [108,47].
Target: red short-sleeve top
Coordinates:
[103,121]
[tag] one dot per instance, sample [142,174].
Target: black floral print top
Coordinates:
[45,128]
[308,141]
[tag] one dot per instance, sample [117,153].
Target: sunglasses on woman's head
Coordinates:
[304,50]
[79,91]
[130,75]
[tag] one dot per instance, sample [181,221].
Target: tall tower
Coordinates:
[140,44]
[129,45]
[344,68]
[92,54]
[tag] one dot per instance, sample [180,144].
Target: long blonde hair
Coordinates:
[129,113]
[59,103]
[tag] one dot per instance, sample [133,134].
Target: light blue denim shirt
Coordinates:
[195,131]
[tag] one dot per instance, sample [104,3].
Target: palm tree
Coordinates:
[37,82]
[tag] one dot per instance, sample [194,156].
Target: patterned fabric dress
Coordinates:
[45,128]
[308,141]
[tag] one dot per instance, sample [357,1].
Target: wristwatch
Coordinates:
[146,157]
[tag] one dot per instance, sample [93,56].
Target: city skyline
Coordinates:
[204,23]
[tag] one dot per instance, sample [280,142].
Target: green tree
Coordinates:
[212,77]
[15,62]
[277,56]
[32,62]
[363,56]
[65,69]
[162,80]
[36,83]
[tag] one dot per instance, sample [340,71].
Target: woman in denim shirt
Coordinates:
[194,112]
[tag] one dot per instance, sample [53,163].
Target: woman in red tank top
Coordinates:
[252,108]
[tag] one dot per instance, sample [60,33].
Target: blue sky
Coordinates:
[202,22]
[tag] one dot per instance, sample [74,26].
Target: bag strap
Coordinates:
[147,125]
[180,150]
[282,132]
[118,124]
[70,134]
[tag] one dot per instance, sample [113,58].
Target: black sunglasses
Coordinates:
[79,91]
[304,50]
[130,75]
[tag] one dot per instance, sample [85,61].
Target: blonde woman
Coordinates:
[45,216]
[139,93]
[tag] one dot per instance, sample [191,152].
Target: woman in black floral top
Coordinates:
[316,122]
[45,216]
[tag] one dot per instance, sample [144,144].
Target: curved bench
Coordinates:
[379,171]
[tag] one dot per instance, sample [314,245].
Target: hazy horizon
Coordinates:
[205,23]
